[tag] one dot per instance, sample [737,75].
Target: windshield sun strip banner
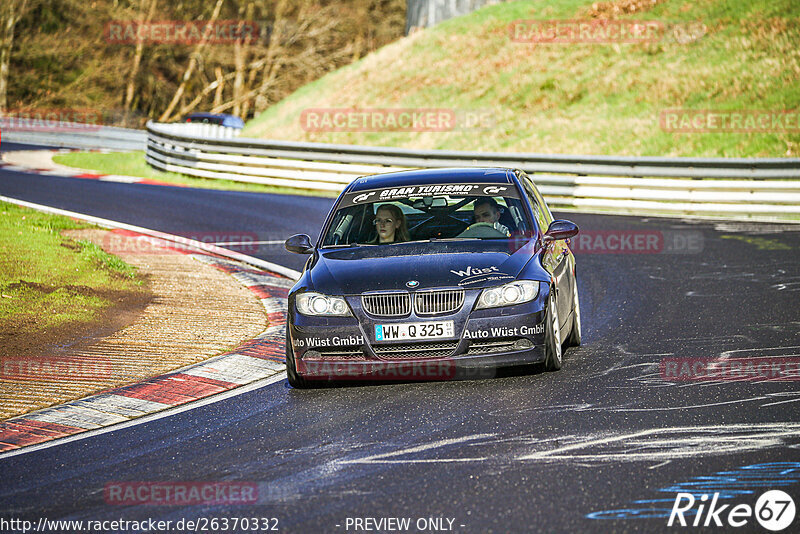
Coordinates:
[385,194]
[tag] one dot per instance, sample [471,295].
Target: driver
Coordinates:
[487,210]
[390,224]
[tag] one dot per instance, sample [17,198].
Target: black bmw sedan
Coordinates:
[431,275]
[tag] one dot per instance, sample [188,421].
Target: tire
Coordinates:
[574,338]
[553,355]
[295,380]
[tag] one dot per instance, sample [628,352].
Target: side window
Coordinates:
[539,212]
[350,225]
[546,211]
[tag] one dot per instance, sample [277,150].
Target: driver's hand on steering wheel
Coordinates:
[502,229]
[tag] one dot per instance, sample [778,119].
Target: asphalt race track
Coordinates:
[603,445]
[181,210]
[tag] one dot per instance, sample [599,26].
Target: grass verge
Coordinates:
[49,281]
[134,164]
[571,98]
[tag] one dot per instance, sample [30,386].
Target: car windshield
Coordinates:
[427,213]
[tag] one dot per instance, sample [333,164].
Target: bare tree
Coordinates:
[187,74]
[137,56]
[220,81]
[240,53]
[10,13]
[300,41]
[303,45]
[217,86]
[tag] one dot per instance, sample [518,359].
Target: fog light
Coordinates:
[523,344]
[311,355]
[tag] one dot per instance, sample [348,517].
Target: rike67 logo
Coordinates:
[774,510]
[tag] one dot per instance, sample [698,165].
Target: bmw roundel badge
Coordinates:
[412,283]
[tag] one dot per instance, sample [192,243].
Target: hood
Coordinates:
[470,265]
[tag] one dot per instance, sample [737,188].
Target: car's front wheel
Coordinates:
[295,380]
[552,335]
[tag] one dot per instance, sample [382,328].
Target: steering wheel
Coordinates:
[481,229]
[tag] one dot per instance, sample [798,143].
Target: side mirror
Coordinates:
[560,229]
[299,244]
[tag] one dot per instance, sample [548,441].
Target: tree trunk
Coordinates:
[251,79]
[190,68]
[137,57]
[240,52]
[216,86]
[270,62]
[235,101]
[10,13]
[220,84]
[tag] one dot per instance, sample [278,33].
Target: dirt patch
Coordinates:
[609,10]
[190,313]
[70,289]
[17,339]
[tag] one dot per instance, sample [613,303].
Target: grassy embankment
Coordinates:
[577,98]
[49,281]
[573,98]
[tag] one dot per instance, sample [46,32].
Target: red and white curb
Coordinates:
[254,360]
[77,173]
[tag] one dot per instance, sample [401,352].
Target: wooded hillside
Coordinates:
[118,57]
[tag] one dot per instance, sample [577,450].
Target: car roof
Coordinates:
[433,176]
[226,118]
[206,115]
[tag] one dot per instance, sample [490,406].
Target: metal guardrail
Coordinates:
[75,135]
[201,129]
[637,184]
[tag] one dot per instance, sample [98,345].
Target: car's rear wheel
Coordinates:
[552,335]
[295,380]
[574,338]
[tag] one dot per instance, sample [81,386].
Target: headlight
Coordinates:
[318,304]
[508,294]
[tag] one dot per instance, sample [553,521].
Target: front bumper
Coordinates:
[344,348]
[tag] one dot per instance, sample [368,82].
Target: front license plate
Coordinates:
[401,331]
